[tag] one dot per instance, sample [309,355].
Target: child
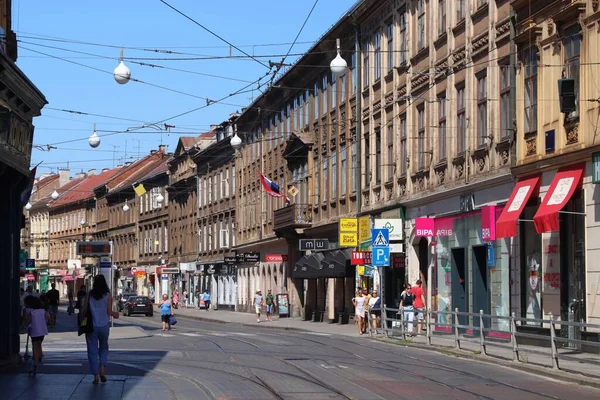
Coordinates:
[37,318]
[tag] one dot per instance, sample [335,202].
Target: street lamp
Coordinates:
[54,195]
[28,206]
[159,198]
[94,139]
[122,74]
[338,65]
[236,142]
[125,207]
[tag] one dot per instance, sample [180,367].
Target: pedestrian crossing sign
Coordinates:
[381,237]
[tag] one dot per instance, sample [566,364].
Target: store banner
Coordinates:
[424,227]
[444,226]
[488,223]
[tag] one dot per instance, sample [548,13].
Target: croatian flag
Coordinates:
[272,188]
[26,193]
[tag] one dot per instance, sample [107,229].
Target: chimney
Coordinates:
[162,148]
[152,152]
[64,175]
[80,175]
[105,169]
[91,172]
[128,163]
[213,127]
[119,166]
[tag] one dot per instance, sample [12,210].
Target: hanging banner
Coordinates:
[488,223]
[424,227]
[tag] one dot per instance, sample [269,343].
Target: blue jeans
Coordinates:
[97,348]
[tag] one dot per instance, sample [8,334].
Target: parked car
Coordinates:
[123,299]
[138,305]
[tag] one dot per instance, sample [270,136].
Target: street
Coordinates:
[202,360]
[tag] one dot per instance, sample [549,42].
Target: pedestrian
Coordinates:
[70,309]
[98,305]
[37,293]
[258,303]
[81,293]
[206,299]
[359,310]
[166,311]
[367,297]
[53,297]
[185,299]
[419,304]
[375,310]
[269,300]
[175,298]
[37,318]
[406,307]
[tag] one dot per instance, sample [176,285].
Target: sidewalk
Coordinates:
[79,386]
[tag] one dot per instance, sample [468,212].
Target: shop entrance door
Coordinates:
[460,298]
[481,296]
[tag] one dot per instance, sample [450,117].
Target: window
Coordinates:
[378,156]
[377,54]
[333,91]
[210,190]
[226,183]
[571,46]
[403,148]
[325,176]
[288,120]
[299,123]
[481,3]
[367,181]
[420,24]
[391,159]
[366,65]
[324,87]
[460,11]
[403,38]
[421,137]
[306,107]
[441,17]
[316,100]
[442,150]
[481,110]
[354,72]
[530,61]
[334,172]
[354,166]
[505,124]
[343,167]
[461,125]
[343,83]
[317,183]
[390,46]
[295,112]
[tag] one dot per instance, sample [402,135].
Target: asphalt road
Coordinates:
[225,361]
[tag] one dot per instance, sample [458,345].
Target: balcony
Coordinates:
[295,216]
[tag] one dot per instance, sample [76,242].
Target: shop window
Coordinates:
[531,265]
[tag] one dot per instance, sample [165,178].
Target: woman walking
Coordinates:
[359,306]
[98,305]
[406,307]
[166,311]
[37,318]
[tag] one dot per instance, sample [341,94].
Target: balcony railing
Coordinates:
[292,217]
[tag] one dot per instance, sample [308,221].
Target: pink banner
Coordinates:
[443,226]
[488,223]
[424,227]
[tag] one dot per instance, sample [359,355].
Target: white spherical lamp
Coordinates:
[94,139]
[54,195]
[28,206]
[338,65]
[160,198]
[122,74]
[125,207]
[236,142]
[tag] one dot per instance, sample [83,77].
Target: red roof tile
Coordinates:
[82,189]
[203,140]
[131,174]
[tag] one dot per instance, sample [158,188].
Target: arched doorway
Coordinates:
[423,254]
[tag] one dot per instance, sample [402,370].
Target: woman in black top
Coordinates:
[406,307]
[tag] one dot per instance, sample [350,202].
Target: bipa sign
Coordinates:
[424,227]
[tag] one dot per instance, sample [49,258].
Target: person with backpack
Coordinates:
[375,310]
[269,301]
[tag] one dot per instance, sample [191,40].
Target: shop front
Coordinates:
[220,279]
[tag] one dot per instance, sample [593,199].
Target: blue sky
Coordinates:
[45,27]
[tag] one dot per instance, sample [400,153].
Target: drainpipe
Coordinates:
[358,117]
[513,85]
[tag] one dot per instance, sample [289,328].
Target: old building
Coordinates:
[553,209]
[217,270]
[153,228]
[183,214]
[118,217]
[20,102]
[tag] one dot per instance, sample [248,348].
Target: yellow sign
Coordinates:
[348,225]
[361,270]
[348,239]
[364,229]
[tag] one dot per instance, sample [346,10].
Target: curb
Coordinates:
[559,375]
[245,324]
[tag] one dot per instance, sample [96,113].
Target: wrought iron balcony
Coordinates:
[294,216]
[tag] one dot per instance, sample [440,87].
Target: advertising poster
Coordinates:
[551,273]
[283,305]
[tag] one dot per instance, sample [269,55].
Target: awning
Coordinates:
[328,264]
[506,225]
[564,184]
[308,266]
[67,278]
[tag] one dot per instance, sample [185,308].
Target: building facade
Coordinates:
[556,161]
[216,269]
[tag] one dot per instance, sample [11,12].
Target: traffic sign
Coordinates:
[381,256]
[381,238]
[30,264]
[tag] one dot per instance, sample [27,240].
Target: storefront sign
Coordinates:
[230,260]
[348,239]
[360,270]
[443,227]
[364,229]
[596,167]
[491,255]
[276,257]
[73,264]
[189,266]
[211,269]
[29,264]
[424,227]
[348,232]
[313,244]
[251,257]
[395,226]
[348,225]
[488,223]
[361,258]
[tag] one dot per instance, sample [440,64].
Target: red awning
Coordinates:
[564,184]
[67,278]
[506,225]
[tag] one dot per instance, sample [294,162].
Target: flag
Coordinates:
[139,189]
[26,193]
[272,188]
